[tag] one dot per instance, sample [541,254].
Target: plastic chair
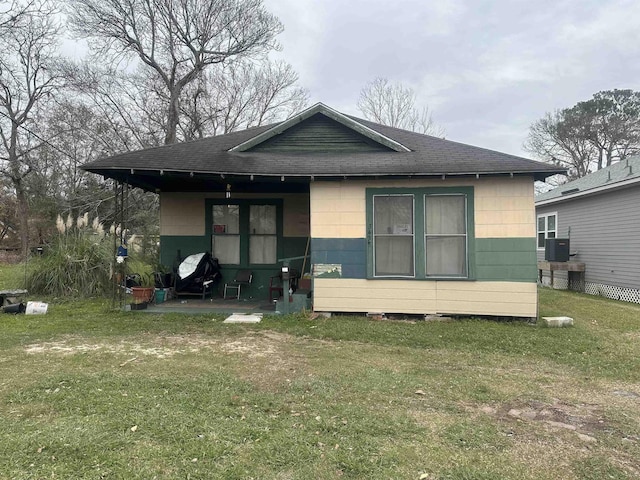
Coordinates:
[243,277]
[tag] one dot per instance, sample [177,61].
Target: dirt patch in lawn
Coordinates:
[266,359]
[254,345]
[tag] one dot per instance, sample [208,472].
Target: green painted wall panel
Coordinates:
[188,245]
[506,259]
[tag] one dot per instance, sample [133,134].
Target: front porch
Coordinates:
[218,305]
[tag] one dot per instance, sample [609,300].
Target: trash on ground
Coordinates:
[36,308]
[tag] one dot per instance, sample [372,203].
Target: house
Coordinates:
[392,221]
[600,214]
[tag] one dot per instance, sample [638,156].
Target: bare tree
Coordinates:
[394,104]
[613,124]
[561,138]
[28,79]
[12,11]
[591,134]
[177,39]
[132,104]
[241,95]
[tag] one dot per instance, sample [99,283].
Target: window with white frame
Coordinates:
[547,227]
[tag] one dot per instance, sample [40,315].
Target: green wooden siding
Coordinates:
[495,259]
[319,134]
[188,245]
[506,259]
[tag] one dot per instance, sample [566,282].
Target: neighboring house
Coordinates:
[600,214]
[394,221]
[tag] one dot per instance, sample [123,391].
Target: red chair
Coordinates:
[275,285]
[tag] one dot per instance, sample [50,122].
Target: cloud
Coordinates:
[487,68]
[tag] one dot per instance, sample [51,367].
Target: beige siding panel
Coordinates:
[504,206]
[359,295]
[485,308]
[338,209]
[182,214]
[423,297]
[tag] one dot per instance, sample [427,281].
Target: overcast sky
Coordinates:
[487,69]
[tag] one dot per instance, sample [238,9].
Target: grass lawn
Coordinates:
[88,392]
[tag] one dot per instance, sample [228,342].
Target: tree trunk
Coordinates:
[173,112]
[22,210]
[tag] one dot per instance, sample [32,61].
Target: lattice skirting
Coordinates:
[609,291]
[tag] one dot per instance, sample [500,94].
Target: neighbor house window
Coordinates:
[420,233]
[226,234]
[547,227]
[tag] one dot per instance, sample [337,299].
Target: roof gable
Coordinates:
[320,129]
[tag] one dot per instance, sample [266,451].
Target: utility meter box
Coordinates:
[556,250]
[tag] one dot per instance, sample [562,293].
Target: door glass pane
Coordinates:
[445,214]
[394,255]
[262,249]
[226,219]
[262,219]
[227,249]
[393,215]
[446,255]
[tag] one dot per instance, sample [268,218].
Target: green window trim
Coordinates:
[245,234]
[419,195]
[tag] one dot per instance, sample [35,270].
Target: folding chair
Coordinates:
[243,277]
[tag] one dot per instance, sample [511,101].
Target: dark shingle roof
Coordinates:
[428,156]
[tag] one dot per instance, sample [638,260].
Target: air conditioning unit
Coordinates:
[556,250]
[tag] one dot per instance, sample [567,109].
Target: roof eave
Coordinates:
[591,191]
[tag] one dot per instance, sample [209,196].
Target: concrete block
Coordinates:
[557,321]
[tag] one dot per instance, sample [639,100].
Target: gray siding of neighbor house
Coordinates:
[605,230]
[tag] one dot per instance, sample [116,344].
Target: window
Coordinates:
[420,233]
[393,235]
[226,234]
[245,232]
[446,234]
[547,227]
[263,240]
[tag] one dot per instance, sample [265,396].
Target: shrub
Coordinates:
[78,262]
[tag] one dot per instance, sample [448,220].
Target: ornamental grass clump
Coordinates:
[76,264]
